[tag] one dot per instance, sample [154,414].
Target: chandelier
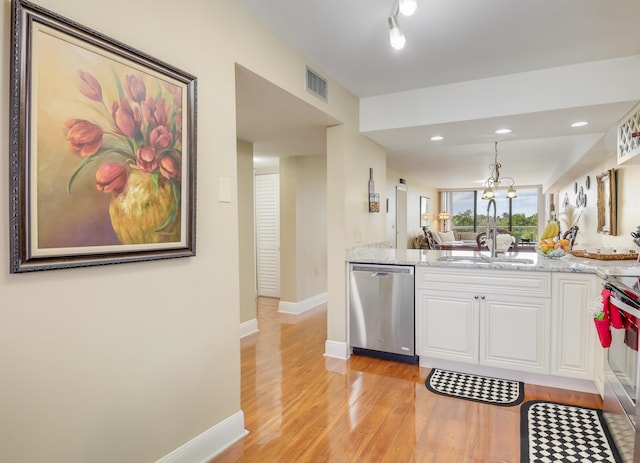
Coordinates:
[494,181]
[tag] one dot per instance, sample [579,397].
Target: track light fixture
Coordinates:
[407,7]
[396,36]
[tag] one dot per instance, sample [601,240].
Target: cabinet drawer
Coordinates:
[520,283]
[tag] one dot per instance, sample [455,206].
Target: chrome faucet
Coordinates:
[492,228]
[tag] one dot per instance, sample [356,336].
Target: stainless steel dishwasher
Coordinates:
[381,311]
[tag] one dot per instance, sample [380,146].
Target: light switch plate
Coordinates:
[224,190]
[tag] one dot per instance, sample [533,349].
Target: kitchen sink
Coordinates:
[486,260]
[511,260]
[465,259]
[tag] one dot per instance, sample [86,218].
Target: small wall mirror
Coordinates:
[424,211]
[607,215]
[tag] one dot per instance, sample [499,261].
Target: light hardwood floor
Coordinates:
[302,407]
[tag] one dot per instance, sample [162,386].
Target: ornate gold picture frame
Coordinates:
[607,199]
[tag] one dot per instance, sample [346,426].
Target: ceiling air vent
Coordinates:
[315,84]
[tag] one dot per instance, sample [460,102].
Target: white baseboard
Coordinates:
[336,349]
[248,327]
[560,382]
[210,443]
[297,308]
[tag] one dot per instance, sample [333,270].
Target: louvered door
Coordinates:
[268,234]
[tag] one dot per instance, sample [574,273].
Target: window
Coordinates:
[519,215]
[463,210]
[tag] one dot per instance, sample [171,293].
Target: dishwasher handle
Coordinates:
[380,274]
[383,270]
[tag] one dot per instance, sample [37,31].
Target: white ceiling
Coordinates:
[276,122]
[450,41]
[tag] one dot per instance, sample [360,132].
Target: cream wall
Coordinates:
[288,230]
[128,362]
[363,226]
[628,179]
[628,207]
[303,227]
[349,157]
[246,234]
[311,258]
[123,362]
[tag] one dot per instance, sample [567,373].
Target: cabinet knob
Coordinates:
[475,297]
[482,297]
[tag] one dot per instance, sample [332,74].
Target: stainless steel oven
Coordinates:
[621,369]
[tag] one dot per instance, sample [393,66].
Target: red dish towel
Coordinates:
[612,310]
[603,328]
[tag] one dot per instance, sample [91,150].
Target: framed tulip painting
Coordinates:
[103,148]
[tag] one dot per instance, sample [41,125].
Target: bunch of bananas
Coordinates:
[551,230]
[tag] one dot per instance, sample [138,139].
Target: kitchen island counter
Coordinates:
[522,321]
[422,257]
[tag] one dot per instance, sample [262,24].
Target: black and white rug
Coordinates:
[559,433]
[484,389]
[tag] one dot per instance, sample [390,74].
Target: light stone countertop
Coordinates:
[422,257]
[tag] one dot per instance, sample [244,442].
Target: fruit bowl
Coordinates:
[551,253]
[552,248]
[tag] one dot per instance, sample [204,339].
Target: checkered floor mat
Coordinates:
[477,388]
[558,433]
[624,435]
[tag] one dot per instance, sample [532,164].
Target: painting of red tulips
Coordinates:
[103,143]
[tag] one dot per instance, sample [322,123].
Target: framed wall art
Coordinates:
[102,146]
[424,211]
[606,205]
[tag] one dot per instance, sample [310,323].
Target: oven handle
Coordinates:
[625,307]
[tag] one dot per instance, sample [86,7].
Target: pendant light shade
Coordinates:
[488,193]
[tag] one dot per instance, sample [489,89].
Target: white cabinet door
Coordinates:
[447,325]
[572,331]
[514,332]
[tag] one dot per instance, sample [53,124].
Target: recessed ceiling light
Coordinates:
[437,138]
[579,124]
[501,131]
